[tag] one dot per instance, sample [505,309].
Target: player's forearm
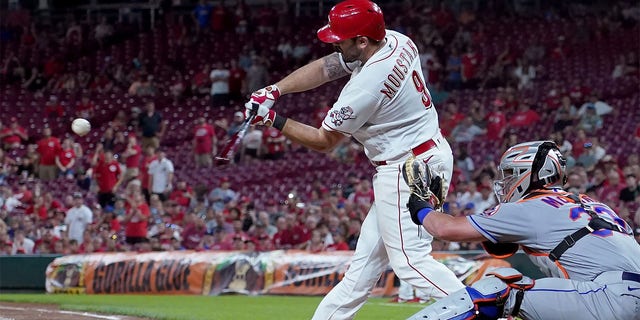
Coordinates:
[317,139]
[312,75]
[446,227]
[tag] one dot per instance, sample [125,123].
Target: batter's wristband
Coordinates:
[278,122]
[422,214]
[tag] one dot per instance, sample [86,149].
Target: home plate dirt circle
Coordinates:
[35,311]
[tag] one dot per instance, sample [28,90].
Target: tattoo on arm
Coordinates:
[333,68]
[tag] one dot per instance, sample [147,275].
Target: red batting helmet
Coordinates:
[353,18]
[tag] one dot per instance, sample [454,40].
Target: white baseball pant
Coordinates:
[389,237]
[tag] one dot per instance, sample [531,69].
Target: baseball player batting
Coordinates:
[588,252]
[385,106]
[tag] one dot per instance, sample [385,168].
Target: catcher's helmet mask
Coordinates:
[527,167]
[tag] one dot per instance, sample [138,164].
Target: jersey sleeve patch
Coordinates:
[338,117]
[490,211]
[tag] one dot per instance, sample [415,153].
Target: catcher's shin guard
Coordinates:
[485,299]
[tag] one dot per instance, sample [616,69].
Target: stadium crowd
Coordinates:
[128,197]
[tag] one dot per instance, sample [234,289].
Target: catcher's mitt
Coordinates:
[426,188]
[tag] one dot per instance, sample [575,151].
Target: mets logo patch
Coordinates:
[339,116]
[490,211]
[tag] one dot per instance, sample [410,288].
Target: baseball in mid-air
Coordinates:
[80,126]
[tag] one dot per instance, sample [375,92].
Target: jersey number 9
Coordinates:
[419,83]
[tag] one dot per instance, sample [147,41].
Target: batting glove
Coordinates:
[263,115]
[266,96]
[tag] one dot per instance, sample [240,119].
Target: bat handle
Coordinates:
[254,108]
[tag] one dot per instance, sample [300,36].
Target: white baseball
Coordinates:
[80,126]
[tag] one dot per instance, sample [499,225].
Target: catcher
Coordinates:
[588,252]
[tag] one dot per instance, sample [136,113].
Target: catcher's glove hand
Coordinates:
[426,188]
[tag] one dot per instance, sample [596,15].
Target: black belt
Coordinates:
[630,276]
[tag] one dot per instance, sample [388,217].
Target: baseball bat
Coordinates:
[229,150]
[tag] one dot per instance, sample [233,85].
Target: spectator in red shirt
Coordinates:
[132,155]
[48,148]
[14,135]
[297,234]
[471,64]
[496,122]
[219,18]
[107,174]
[554,96]
[219,243]
[136,220]
[363,197]
[524,117]
[193,233]
[182,194]
[306,230]
[149,156]
[238,243]
[282,238]
[204,143]
[85,108]
[579,92]
[66,159]
[175,212]
[51,204]
[24,194]
[561,50]
[237,77]
[579,142]
[315,243]
[38,209]
[264,242]
[610,193]
[201,84]
[450,119]
[274,143]
[339,243]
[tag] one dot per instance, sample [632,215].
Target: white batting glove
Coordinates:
[266,96]
[263,115]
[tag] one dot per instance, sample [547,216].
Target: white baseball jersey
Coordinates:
[160,170]
[386,107]
[78,218]
[378,104]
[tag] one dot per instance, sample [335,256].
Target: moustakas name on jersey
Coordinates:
[371,109]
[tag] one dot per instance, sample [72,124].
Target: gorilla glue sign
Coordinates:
[290,272]
[144,273]
[132,276]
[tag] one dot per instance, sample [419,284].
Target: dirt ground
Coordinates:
[29,311]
